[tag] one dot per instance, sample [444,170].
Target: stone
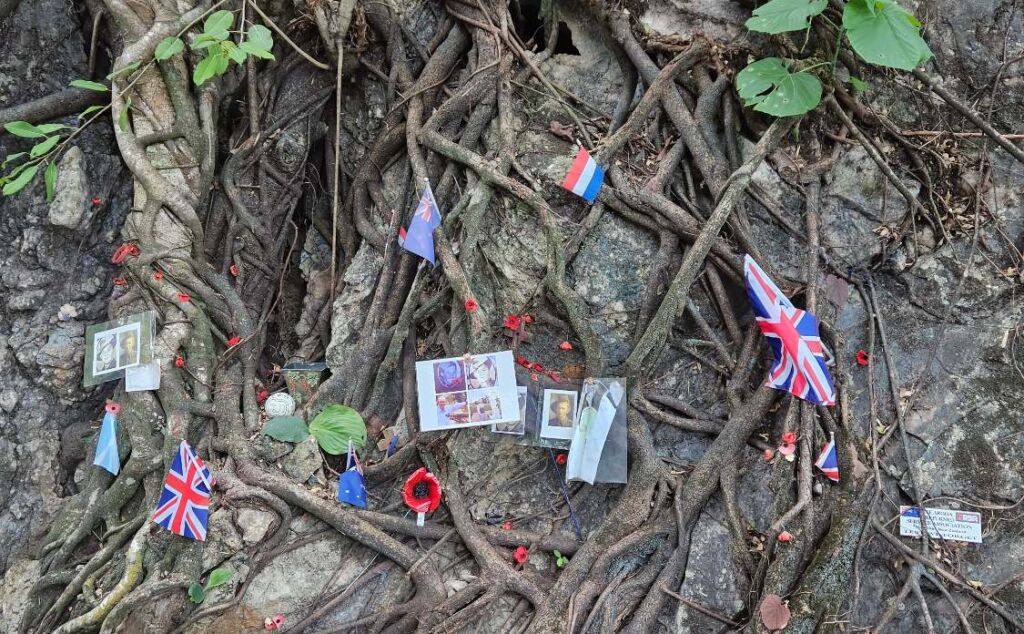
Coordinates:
[71,192]
[254,524]
[351,304]
[222,539]
[8,400]
[15,589]
[303,461]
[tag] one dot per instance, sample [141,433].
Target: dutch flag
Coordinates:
[828,461]
[585,178]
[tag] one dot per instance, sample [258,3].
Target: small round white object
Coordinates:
[280,404]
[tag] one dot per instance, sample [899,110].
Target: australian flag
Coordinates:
[351,484]
[828,461]
[419,239]
[184,505]
[799,365]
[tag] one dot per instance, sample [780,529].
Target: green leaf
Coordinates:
[127,69]
[218,577]
[24,129]
[233,51]
[858,84]
[256,52]
[43,146]
[89,85]
[200,42]
[884,33]
[12,157]
[215,63]
[50,178]
[122,119]
[196,593]
[769,87]
[335,426]
[260,37]
[218,23]
[286,429]
[780,16]
[168,48]
[24,178]
[47,128]
[88,111]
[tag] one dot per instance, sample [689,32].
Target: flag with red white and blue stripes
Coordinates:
[799,366]
[585,177]
[184,504]
[828,460]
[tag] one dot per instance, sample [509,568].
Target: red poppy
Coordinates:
[422,491]
[538,367]
[788,438]
[120,281]
[124,251]
[262,396]
[179,362]
[863,358]
[521,555]
[785,536]
[113,408]
[555,376]
[787,449]
[233,269]
[523,362]
[96,200]
[512,322]
[274,623]
[528,319]
[183,297]
[565,345]
[533,376]
[471,304]
[507,526]
[561,458]
[234,341]
[158,276]
[768,455]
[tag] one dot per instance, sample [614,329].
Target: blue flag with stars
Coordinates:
[106,446]
[351,484]
[419,239]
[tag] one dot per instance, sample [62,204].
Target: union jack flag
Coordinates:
[828,461]
[184,505]
[792,333]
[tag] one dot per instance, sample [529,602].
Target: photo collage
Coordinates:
[467,391]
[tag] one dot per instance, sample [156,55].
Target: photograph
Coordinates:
[484,406]
[559,414]
[483,372]
[452,409]
[128,346]
[518,427]
[104,353]
[600,401]
[449,376]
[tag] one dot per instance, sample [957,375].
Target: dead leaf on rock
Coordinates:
[574,371]
[562,131]
[774,612]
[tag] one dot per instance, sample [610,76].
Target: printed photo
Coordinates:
[518,427]
[128,347]
[559,414]
[452,409]
[449,376]
[112,347]
[484,406]
[104,353]
[483,372]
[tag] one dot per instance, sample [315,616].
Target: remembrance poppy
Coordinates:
[422,491]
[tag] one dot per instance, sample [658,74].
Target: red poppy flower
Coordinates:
[538,367]
[533,376]
[113,408]
[179,362]
[785,536]
[768,455]
[96,200]
[788,438]
[274,623]
[234,341]
[555,376]
[863,358]
[158,276]
[262,396]
[422,491]
[471,304]
[561,459]
[523,362]
[565,345]
[528,319]
[183,297]
[512,322]
[787,449]
[120,281]
[233,269]
[507,526]
[124,251]
[521,555]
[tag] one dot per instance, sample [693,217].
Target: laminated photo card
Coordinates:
[549,411]
[598,451]
[467,391]
[114,347]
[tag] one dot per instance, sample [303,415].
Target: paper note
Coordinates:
[961,526]
[143,377]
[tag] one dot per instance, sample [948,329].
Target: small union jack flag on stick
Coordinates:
[799,366]
[184,505]
[828,461]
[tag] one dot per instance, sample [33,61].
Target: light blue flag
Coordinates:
[106,446]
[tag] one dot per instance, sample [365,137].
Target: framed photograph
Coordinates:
[467,391]
[113,347]
[516,428]
[558,414]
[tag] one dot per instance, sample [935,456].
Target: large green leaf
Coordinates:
[335,426]
[218,577]
[196,594]
[259,42]
[884,33]
[215,63]
[780,16]
[50,178]
[255,51]
[769,87]
[24,129]
[168,48]
[233,52]
[218,24]
[89,85]
[286,429]
[43,146]
[24,178]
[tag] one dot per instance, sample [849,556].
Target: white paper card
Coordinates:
[961,526]
[143,377]
[468,391]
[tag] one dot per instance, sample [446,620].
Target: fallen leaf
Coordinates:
[561,131]
[774,612]
[574,371]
